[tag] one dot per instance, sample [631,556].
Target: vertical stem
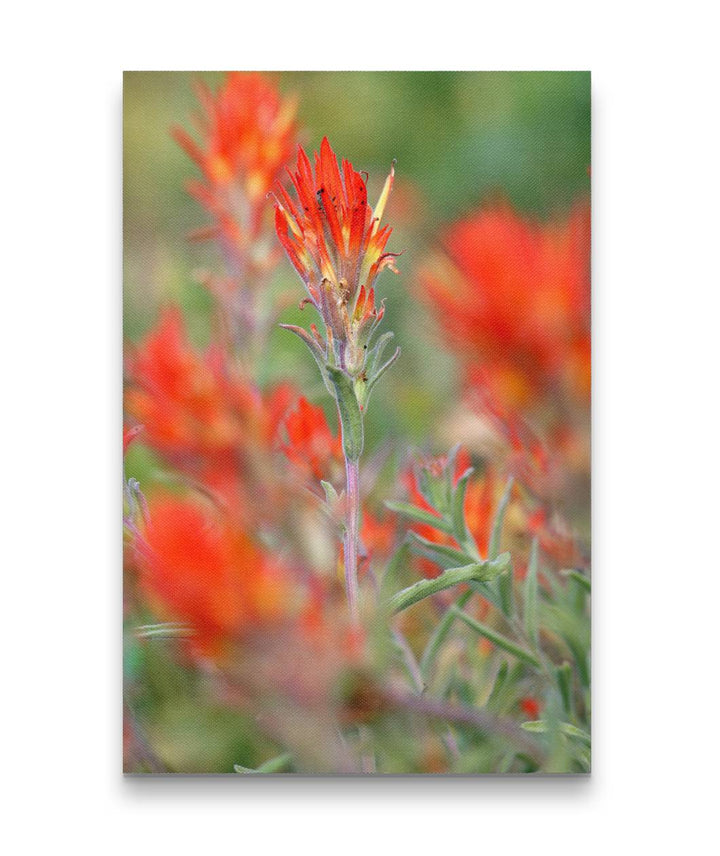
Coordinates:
[350,542]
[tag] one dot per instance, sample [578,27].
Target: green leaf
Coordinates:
[478,571]
[315,349]
[505,583]
[497,527]
[419,515]
[563,675]
[445,556]
[505,593]
[580,579]
[458,514]
[376,352]
[496,695]
[373,379]
[274,765]
[497,638]
[530,607]
[540,726]
[331,496]
[351,418]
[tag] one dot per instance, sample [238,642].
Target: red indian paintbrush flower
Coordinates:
[248,132]
[200,568]
[202,416]
[337,245]
[514,296]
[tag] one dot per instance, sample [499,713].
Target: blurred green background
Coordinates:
[458,137]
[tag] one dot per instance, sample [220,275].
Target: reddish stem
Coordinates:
[350,542]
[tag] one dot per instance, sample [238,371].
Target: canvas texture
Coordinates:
[356,423]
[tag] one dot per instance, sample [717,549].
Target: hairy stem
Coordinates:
[350,542]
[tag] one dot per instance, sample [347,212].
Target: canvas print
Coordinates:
[356,445]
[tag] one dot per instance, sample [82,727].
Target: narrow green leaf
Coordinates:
[419,515]
[497,527]
[530,607]
[445,556]
[478,571]
[540,726]
[580,579]
[274,765]
[379,373]
[496,694]
[376,352]
[315,349]
[351,418]
[497,638]
[563,675]
[505,593]
[331,496]
[461,533]
[505,582]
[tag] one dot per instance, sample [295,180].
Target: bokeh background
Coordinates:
[459,140]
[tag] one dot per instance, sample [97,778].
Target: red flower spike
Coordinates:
[248,132]
[334,241]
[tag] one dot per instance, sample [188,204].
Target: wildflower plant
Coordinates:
[336,243]
[469,649]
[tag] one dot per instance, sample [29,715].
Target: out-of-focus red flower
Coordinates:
[197,412]
[513,296]
[310,443]
[530,707]
[199,568]
[335,242]
[378,535]
[248,132]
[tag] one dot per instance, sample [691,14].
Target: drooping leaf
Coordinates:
[478,571]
